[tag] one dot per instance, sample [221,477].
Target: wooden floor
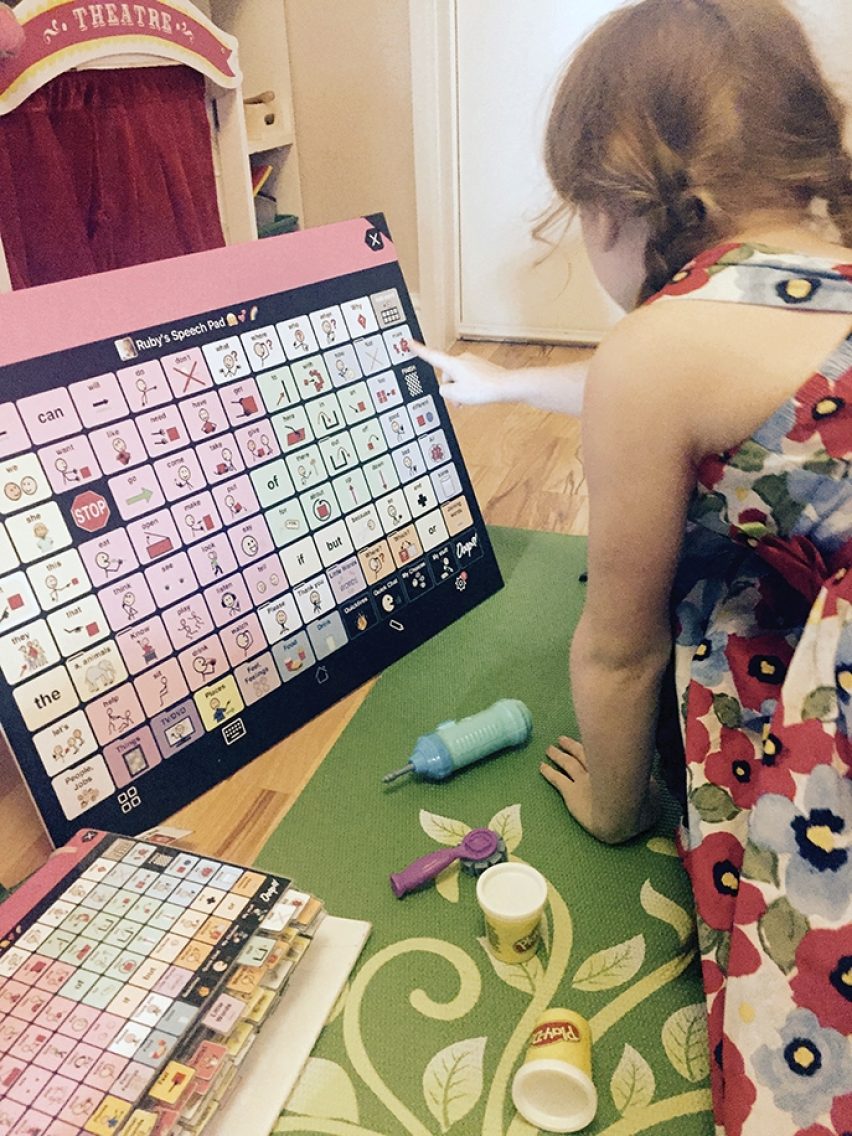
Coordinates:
[526,472]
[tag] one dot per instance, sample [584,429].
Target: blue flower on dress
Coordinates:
[692,623]
[799,289]
[839,362]
[817,838]
[807,1068]
[775,429]
[766,283]
[756,723]
[710,663]
[825,519]
[765,714]
[692,828]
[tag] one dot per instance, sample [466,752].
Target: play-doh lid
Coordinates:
[554,1096]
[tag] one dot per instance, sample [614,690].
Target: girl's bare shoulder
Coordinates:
[721,367]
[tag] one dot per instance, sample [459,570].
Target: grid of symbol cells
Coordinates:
[131,991]
[181,537]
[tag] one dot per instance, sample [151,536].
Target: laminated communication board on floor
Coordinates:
[229,495]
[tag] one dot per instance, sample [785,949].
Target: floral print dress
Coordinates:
[763,664]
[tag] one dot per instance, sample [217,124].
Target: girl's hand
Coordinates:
[573,783]
[466,379]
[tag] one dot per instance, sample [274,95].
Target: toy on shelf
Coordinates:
[260,175]
[453,745]
[265,124]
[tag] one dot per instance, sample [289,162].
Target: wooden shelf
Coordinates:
[267,145]
[260,29]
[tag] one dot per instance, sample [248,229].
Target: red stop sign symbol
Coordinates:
[90,511]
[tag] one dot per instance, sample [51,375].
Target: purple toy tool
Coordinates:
[479,850]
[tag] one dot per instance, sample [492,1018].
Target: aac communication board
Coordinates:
[229,495]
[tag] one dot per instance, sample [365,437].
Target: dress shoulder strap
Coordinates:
[753,274]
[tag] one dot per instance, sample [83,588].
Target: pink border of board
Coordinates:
[33,890]
[56,317]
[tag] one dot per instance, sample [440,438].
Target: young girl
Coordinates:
[700,146]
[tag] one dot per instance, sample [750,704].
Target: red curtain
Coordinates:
[102,169]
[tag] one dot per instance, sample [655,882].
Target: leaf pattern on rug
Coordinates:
[453,1079]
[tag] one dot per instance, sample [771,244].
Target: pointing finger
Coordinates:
[430,355]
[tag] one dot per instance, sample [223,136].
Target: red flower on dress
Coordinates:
[734,766]
[823,983]
[825,408]
[814,1130]
[712,978]
[715,1017]
[777,781]
[744,957]
[738,1092]
[841,1115]
[758,665]
[696,742]
[695,274]
[711,470]
[687,280]
[796,748]
[752,517]
[700,700]
[696,737]
[714,870]
[750,904]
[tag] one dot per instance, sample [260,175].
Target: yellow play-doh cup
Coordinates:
[553,1088]
[512,898]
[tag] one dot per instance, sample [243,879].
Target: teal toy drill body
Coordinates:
[453,745]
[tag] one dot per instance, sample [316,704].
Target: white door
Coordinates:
[513,286]
[508,57]
[829,25]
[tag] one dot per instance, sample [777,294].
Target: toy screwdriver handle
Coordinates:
[422,870]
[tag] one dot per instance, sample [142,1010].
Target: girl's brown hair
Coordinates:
[693,114]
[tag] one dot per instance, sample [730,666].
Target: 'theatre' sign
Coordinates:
[67,33]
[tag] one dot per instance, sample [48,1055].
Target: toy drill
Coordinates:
[479,849]
[453,745]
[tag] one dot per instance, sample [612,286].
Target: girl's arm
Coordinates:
[638,459]
[468,380]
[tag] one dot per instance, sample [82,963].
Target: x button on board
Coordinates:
[374,240]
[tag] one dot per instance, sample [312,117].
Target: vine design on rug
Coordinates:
[326,1097]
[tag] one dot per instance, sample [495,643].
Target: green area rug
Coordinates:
[429,1032]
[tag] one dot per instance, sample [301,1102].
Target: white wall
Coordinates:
[351,75]
[829,25]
